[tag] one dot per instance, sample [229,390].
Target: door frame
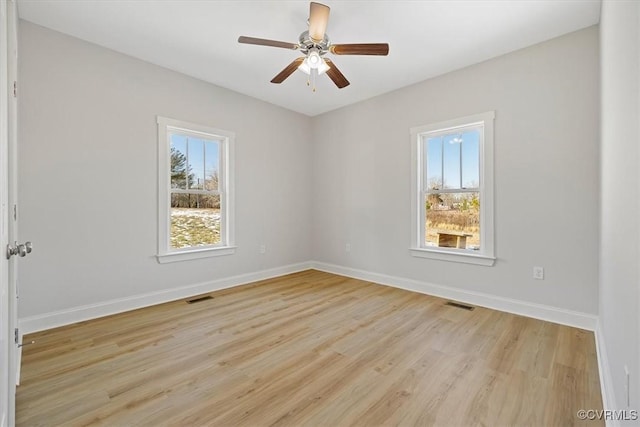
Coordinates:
[9,348]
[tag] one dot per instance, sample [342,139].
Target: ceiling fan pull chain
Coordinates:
[314,73]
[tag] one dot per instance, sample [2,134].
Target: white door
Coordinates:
[8,205]
[5,327]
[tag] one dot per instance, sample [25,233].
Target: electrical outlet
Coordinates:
[347,247]
[263,248]
[538,273]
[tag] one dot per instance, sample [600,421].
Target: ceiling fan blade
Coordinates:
[266,42]
[288,70]
[360,49]
[334,74]
[318,20]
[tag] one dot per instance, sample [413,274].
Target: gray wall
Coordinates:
[88,174]
[546,101]
[620,218]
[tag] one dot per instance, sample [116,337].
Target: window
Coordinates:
[195,191]
[452,212]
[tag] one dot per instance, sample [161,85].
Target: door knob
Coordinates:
[17,249]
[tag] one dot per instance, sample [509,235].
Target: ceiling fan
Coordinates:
[315,44]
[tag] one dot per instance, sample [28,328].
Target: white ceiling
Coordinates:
[199,38]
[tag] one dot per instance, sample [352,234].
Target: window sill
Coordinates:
[195,254]
[450,255]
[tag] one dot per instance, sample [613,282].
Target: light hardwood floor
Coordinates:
[311,349]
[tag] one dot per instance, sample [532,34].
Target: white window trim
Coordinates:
[165,255]
[486,256]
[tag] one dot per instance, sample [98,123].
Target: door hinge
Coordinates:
[15,89]
[15,212]
[16,335]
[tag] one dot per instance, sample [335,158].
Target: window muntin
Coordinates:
[195,199]
[452,203]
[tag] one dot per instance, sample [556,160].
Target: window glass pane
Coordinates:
[178,161]
[195,220]
[471,159]
[433,153]
[451,149]
[211,165]
[452,220]
[196,162]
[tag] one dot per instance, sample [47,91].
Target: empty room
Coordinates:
[346,213]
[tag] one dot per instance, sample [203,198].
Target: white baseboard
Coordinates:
[19,357]
[537,311]
[606,380]
[92,311]
[87,312]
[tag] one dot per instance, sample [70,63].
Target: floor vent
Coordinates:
[460,305]
[199,299]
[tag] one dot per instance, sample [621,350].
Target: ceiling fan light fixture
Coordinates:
[313,61]
[304,67]
[323,67]
[313,58]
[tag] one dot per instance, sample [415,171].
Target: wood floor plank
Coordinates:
[309,349]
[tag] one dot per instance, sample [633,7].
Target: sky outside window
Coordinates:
[446,154]
[203,155]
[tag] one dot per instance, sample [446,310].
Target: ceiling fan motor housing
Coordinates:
[306,43]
